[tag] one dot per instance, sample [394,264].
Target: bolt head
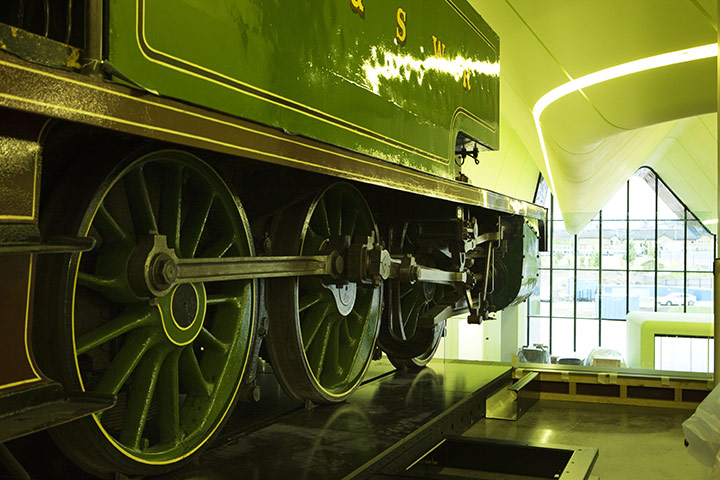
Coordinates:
[169,271]
[163,271]
[339,264]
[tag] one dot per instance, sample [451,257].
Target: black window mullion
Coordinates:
[685,249]
[575,274]
[627,247]
[599,284]
[552,254]
[655,286]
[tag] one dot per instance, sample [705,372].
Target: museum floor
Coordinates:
[634,443]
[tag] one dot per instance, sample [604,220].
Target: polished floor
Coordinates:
[634,443]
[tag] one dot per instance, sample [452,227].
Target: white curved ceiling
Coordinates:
[598,137]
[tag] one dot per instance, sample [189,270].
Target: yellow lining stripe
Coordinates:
[27,317]
[472,25]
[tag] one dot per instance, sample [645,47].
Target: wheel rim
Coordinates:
[332,330]
[175,362]
[400,338]
[414,301]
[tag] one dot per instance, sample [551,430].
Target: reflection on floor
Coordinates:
[635,443]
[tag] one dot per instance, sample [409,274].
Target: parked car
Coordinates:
[676,298]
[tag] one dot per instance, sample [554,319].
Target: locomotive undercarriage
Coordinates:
[165,309]
[205,259]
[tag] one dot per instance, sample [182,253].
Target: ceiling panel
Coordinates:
[595,144]
[588,35]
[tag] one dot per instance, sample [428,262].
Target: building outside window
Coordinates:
[645,251]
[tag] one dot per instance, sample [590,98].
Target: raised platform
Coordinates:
[392,419]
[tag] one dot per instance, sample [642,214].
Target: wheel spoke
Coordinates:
[135,346]
[313,241]
[171,205]
[191,373]
[345,336]
[356,317]
[405,291]
[121,324]
[224,298]
[208,340]
[139,200]
[168,400]
[349,222]
[334,213]
[317,350]
[105,286]
[411,321]
[308,300]
[194,225]
[320,219]
[311,322]
[410,310]
[108,227]
[396,321]
[332,370]
[408,304]
[218,248]
[414,296]
[142,391]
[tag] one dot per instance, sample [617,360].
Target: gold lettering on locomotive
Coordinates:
[438,47]
[357,6]
[401,28]
[466,80]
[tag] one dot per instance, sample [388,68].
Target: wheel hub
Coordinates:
[184,306]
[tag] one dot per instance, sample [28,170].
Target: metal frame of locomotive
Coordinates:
[151,287]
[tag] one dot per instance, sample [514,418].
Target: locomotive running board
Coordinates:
[46,405]
[70,96]
[53,245]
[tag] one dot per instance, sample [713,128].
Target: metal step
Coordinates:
[45,405]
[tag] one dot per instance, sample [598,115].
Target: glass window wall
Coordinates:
[645,251]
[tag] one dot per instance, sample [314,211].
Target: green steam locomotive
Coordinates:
[233,180]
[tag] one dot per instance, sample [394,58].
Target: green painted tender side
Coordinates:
[394,80]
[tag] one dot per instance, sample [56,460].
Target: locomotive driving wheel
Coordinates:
[403,341]
[174,362]
[321,334]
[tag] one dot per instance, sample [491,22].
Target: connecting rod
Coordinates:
[155,268]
